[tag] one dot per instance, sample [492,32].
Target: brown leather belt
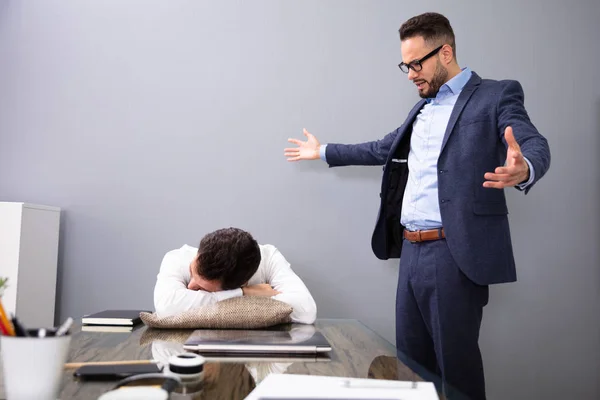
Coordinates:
[422,236]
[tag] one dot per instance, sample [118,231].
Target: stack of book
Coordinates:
[111,321]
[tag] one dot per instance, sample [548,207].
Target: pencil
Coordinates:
[3,329]
[124,362]
[6,322]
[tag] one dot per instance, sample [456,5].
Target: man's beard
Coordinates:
[439,78]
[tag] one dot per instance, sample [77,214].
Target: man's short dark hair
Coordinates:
[433,27]
[228,255]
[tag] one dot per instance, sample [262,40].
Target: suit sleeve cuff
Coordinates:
[523,186]
[322,152]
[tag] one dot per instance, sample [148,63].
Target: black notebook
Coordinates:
[113,317]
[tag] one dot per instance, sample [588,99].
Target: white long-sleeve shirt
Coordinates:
[172,296]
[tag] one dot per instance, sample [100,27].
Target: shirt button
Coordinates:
[443,201]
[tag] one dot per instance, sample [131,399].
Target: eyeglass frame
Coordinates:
[413,64]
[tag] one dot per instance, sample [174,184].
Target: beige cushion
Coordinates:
[246,312]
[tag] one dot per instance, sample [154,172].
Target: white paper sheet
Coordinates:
[288,386]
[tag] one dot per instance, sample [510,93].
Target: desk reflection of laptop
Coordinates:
[302,340]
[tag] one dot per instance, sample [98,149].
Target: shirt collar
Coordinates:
[454,85]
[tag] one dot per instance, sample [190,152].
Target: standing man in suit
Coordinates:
[442,203]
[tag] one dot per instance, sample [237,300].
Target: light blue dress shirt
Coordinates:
[420,206]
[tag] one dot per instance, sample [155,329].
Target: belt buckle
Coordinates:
[418,237]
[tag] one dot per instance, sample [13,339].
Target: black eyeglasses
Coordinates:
[417,65]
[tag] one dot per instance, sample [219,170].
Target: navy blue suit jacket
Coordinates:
[475,218]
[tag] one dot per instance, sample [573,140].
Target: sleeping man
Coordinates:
[229,263]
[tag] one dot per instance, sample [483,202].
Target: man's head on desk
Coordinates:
[227,259]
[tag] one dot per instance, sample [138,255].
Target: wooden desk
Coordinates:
[357,352]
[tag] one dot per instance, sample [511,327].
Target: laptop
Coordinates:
[274,358]
[257,342]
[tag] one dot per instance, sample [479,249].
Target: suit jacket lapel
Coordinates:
[405,127]
[461,102]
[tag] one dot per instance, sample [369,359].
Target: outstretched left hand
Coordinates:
[515,171]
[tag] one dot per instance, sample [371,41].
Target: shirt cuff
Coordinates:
[228,294]
[531,176]
[322,152]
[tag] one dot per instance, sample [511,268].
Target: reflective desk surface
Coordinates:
[357,352]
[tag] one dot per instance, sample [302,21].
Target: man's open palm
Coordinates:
[515,171]
[308,150]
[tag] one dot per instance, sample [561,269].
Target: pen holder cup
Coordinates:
[33,366]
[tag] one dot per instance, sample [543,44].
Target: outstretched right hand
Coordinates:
[262,289]
[308,150]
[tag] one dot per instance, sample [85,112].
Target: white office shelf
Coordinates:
[28,257]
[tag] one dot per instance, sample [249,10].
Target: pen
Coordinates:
[64,327]
[19,330]
[379,384]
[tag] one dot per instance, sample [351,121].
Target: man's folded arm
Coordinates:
[171,295]
[293,291]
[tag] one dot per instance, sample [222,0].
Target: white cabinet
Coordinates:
[28,257]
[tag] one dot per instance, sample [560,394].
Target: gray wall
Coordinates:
[151,123]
